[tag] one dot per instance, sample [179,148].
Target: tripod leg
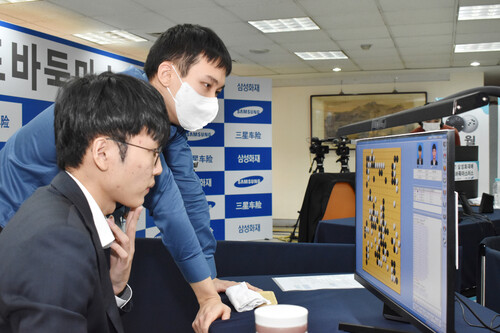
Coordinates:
[292,235]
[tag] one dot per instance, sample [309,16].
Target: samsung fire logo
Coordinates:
[249,181]
[248,111]
[211,204]
[201,134]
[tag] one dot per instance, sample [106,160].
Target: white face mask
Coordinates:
[194,111]
[431,126]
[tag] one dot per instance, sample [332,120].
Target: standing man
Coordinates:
[188,65]
[436,125]
[54,274]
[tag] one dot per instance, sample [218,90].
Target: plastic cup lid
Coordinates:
[281,316]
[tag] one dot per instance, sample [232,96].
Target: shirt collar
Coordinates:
[103,230]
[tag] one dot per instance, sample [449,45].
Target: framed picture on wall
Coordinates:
[330,112]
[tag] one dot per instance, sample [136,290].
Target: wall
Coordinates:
[291,131]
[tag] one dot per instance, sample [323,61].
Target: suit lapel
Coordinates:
[67,187]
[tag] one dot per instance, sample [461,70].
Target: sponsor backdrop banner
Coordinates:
[33,65]
[232,155]
[233,158]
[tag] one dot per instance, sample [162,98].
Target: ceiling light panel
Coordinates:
[285,25]
[478,47]
[479,12]
[321,55]
[15,1]
[110,37]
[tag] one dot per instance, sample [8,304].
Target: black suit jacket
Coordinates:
[54,274]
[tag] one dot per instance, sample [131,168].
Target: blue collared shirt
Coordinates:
[177,202]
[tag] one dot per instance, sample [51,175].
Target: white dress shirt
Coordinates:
[105,234]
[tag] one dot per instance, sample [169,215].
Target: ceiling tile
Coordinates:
[380,64]
[311,46]
[292,68]
[240,34]
[299,36]
[99,7]
[423,50]
[250,70]
[422,31]
[358,33]
[427,64]
[398,5]
[372,53]
[484,37]
[327,66]
[478,26]
[320,7]
[11,19]
[73,26]
[439,40]
[337,20]
[271,58]
[200,15]
[443,57]
[420,16]
[412,30]
[266,10]
[376,43]
[146,21]
[38,11]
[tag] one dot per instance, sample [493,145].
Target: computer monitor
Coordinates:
[405,225]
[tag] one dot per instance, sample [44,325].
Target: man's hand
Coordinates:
[209,311]
[122,250]
[211,306]
[222,285]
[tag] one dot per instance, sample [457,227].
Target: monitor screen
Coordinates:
[405,225]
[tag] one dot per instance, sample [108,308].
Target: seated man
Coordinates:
[54,273]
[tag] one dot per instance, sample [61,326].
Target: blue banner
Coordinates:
[248,158]
[246,205]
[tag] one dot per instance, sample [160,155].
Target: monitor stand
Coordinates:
[390,314]
[356,328]
[387,312]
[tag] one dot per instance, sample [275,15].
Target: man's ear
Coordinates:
[101,152]
[165,73]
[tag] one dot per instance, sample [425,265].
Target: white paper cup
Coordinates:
[281,318]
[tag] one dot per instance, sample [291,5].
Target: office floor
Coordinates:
[282,230]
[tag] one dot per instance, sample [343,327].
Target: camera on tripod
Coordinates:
[342,148]
[317,148]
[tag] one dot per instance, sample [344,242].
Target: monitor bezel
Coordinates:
[451,248]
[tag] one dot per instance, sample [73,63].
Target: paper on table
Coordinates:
[337,281]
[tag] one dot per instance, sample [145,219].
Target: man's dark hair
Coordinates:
[184,45]
[434,146]
[115,105]
[419,148]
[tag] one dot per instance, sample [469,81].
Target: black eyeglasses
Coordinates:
[155,151]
